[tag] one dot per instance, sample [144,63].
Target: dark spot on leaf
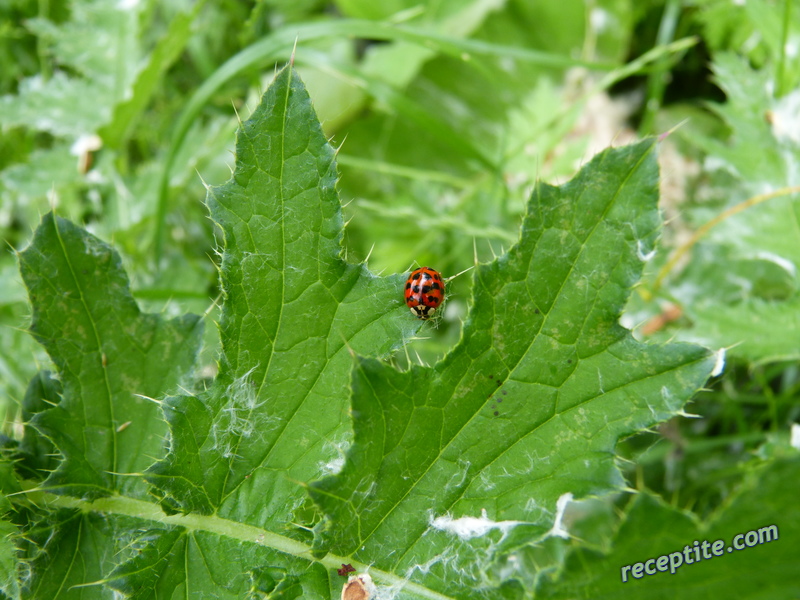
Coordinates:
[496,413]
[346,568]
[491,376]
[505,392]
[536,311]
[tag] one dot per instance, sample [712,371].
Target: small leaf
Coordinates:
[110,357]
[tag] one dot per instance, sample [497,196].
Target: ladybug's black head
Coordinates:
[422,311]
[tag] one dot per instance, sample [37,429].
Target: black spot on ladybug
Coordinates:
[408,285]
[426,289]
[436,286]
[415,289]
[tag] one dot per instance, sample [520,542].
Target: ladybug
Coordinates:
[424,292]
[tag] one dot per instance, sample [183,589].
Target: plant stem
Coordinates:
[704,229]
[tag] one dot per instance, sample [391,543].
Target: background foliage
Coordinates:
[445,115]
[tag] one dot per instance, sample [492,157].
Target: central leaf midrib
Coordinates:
[282,200]
[109,396]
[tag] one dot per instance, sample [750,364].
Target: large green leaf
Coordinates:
[449,460]
[436,477]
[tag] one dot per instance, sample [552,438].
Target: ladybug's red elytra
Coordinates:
[424,292]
